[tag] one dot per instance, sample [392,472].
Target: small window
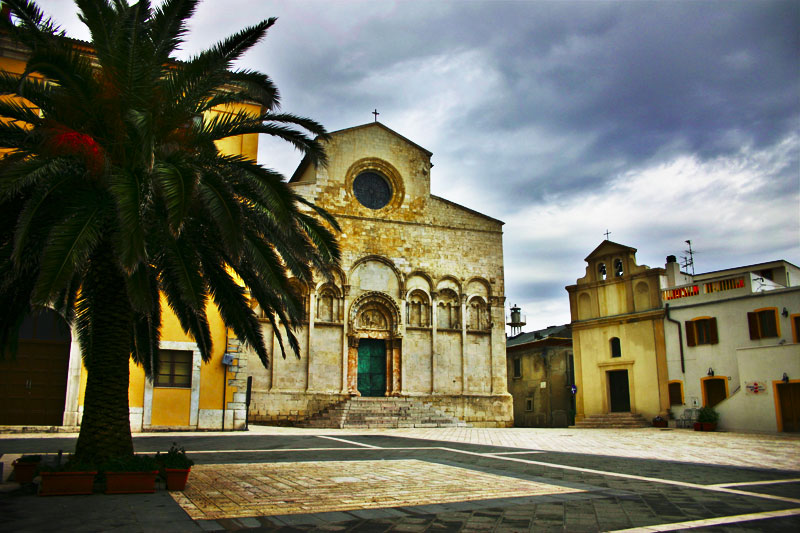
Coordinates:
[517,367]
[174,369]
[796,327]
[529,404]
[616,349]
[701,331]
[601,271]
[763,323]
[675,393]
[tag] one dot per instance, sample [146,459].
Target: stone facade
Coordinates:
[540,377]
[421,285]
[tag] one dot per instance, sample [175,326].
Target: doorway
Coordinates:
[789,404]
[372,367]
[619,393]
[715,390]
[33,386]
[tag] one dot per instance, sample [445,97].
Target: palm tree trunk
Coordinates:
[105,427]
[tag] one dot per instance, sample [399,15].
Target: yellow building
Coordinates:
[618,339]
[44,385]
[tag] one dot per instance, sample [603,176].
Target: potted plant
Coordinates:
[130,474]
[175,466]
[25,468]
[707,418]
[659,422]
[72,477]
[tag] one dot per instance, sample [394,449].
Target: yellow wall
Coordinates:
[171,407]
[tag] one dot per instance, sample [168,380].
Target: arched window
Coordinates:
[601,271]
[329,304]
[478,319]
[448,314]
[616,350]
[418,310]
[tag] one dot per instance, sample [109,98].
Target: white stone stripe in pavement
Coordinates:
[706,522]
[629,476]
[515,453]
[748,483]
[349,441]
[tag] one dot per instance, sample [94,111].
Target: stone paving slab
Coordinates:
[255,489]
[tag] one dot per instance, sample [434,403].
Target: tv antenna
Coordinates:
[688,260]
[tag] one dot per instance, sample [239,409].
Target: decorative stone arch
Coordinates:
[375,315]
[483,281]
[329,303]
[478,316]
[380,259]
[302,291]
[385,169]
[422,274]
[442,283]
[337,278]
[418,308]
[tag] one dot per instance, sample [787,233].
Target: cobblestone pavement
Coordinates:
[437,480]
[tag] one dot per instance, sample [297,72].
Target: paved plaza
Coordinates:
[440,480]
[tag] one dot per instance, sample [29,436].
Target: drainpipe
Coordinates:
[680,336]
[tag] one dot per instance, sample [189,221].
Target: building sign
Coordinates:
[754,387]
[681,292]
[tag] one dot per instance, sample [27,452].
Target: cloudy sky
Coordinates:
[658,122]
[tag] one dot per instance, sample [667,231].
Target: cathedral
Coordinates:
[417,307]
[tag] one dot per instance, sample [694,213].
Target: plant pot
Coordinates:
[64,483]
[660,423]
[176,478]
[709,426]
[698,426]
[24,472]
[130,482]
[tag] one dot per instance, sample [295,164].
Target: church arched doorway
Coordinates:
[33,385]
[374,355]
[372,367]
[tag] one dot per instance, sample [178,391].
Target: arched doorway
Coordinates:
[374,353]
[33,384]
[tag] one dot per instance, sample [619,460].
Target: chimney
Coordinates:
[673,271]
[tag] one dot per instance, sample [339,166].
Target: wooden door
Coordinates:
[789,401]
[33,385]
[372,367]
[715,391]
[619,393]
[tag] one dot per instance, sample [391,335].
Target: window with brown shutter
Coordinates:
[701,330]
[763,323]
[174,369]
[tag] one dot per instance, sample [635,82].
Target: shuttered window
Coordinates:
[763,323]
[701,331]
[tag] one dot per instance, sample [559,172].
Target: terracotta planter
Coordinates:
[177,477]
[660,423]
[64,483]
[709,426]
[130,482]
[698,426]
[23,472]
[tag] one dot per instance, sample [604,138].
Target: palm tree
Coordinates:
[113,192]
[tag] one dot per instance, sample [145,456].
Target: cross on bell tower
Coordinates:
[376,115]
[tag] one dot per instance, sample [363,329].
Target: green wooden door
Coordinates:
[372,367]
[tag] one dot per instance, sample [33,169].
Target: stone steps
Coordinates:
[366,412]
[613,420]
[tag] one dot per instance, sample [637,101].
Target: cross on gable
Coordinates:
[376,115]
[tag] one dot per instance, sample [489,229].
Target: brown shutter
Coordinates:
[690,334]
[713,337]
[752,322]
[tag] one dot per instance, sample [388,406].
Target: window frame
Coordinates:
[170,374]
[709,327]
[618,352]
[756,325]
[516,367]
[679,383]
